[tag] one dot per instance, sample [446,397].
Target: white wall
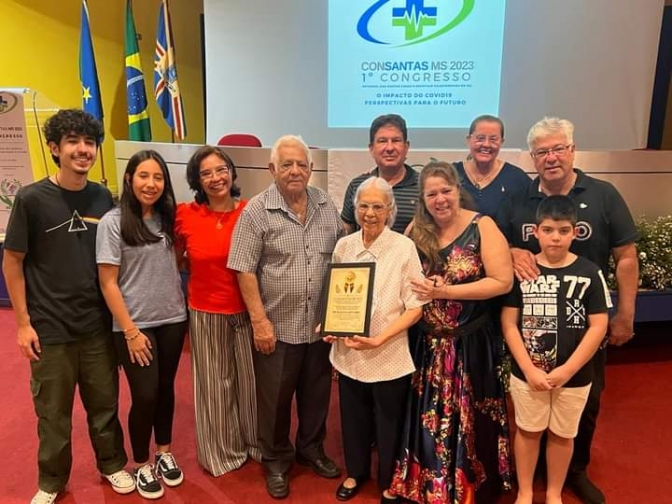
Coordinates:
[591,61]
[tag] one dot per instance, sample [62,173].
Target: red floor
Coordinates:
[632,455]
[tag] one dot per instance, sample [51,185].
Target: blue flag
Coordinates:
[88,75]
[166,90]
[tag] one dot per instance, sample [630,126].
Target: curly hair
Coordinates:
[71,121]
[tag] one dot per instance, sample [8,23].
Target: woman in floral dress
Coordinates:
[456,437]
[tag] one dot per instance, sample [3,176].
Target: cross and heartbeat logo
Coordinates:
[419,22]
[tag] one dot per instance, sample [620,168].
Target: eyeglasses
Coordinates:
[220,171]
[481,139]
[377,208]
[559,151]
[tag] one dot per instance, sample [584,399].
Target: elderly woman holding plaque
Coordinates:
[374,368]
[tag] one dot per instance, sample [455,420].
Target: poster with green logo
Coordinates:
[438,63]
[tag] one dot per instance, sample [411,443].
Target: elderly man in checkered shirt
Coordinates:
[281,247]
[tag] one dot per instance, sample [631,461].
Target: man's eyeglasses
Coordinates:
[559,151]
[220,171]
[377,208]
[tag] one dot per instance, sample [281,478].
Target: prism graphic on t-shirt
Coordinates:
[76,223]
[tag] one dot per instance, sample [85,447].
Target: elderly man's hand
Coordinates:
[264,336]
[524,264]
[621,329]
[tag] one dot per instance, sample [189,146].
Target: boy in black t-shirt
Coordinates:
[64,328]
[553,326]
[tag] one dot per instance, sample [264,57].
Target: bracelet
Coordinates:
[129,329]
[129,338]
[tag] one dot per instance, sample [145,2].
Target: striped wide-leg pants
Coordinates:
[224,390]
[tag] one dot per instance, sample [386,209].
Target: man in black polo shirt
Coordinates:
[388,144]
[606,229]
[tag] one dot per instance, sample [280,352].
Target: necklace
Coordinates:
[483,181]
[220,215]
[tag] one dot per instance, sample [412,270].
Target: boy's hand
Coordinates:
[558,377]
[538,380]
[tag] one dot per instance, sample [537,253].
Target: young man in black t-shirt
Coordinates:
[553,326]
[64,328]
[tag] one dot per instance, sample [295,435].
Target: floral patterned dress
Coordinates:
[455,447]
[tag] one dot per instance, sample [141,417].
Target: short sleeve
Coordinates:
[348,212]
[412,270]
[16,238]
[514,299]
[621,224]
[247,243]
[180,214]
[108,240]
[597,299]
[337,255]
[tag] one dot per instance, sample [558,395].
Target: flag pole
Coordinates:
[103,180]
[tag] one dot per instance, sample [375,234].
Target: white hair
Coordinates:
[549,126]
[286,140]
[382,185]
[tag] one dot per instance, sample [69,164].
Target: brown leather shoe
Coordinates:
[322,466]
[277,485]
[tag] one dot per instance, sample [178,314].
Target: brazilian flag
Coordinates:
[138,118]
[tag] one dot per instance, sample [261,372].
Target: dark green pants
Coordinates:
[91,365]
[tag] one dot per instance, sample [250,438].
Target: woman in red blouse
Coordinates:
[219,325]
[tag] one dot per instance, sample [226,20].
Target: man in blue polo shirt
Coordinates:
[388,144]
[606,228]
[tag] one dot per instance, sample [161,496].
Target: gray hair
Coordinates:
[286,140]
[382,185]
[550,126]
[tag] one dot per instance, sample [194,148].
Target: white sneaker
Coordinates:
[42,497]
[121,482]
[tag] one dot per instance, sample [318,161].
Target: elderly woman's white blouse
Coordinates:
[397,263]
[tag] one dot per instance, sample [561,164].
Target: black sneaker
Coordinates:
[147,483]
[584,489]
[167,468]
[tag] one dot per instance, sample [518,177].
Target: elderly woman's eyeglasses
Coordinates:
[481,139]
[220,171]
[377,208]
[558,150]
